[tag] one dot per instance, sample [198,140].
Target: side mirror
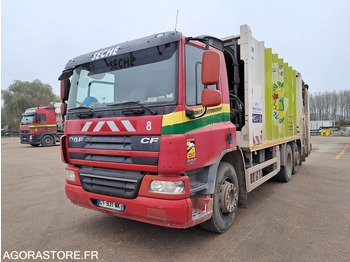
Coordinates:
[211,97]
[63,109]
[65,86]
[210,67]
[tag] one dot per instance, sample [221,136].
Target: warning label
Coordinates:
[191,148]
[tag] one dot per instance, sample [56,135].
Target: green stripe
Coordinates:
[287,101]
[188,126]
[43,126]
[276,125]
[268,95]
[294,102]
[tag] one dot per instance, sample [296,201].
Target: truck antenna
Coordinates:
[177,14]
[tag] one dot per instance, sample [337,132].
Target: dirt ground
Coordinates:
[307,219]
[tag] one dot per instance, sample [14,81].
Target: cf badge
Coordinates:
[149,140]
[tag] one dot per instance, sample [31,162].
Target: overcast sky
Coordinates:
[38,37]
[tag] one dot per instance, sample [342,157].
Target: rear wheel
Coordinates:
[47,140]
[225,199]
[285,173]
[296,158]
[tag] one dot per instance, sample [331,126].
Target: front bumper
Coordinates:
[162,212]
[29,139]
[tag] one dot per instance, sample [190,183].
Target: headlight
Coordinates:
[167,187]
[70,175]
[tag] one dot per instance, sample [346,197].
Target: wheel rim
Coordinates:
[289,164]
[47,141]
[296,157]
[228,197]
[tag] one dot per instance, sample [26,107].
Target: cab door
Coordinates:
[206,136]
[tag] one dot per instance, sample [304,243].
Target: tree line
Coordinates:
[22,95]
[330,105]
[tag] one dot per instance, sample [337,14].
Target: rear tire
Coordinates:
[296,158]
[47,140]
[225,200]
[285,173]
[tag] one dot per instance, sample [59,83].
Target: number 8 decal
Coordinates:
[149,125]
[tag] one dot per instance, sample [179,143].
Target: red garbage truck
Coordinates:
[176,131]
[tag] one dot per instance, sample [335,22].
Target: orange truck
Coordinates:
[176,131]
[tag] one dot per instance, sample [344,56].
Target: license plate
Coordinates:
[110,205]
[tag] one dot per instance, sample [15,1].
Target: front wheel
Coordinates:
[47,140]
[225,199]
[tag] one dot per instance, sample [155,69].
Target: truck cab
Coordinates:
[137,132]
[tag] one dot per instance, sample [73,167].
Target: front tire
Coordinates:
[47,140]
[225,200]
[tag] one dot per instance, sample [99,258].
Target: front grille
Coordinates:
[117,183]
[100,142]
[153,161]
[114,149]
[24,131]
[132,143]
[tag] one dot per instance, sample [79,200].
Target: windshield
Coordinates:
[27,120]
[148,76]
[28,117]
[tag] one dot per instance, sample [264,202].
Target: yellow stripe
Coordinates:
[180,117]
[342,152]
[274,143]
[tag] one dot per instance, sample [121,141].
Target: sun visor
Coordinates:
[127,47]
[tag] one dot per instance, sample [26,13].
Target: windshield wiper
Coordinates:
[91,111]
[135,103]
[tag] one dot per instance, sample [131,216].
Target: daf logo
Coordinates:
[149,140]
[76,139]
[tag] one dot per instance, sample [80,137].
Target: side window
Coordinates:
[194,84]
[40,118]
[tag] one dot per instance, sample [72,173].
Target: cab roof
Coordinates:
[126,47]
